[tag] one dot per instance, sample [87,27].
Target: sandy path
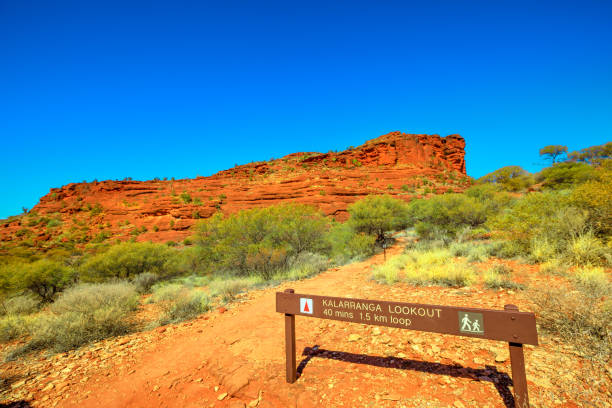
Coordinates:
[236,358]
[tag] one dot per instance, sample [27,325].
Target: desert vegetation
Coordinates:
[560,222]
[58,303]
[558,219]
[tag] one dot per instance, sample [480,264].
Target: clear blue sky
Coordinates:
[103,90]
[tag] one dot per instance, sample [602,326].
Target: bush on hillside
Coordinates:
[144,281]
[595,196]
[593,154]
[188,304]
[346,245]
[425,268]
[306,265]
[446,214]
[375,215]
[565,175]
[20,305]
[532,215]
[544,226]
[129,259]
[498,277]
[260,241]
[581,317]
[44,278]
[82,314]
[593,280]
[230,287]
[13,327]
[586,249]
[165,292]
[509,178]
[87,298]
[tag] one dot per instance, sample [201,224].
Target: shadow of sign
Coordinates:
[501,380]
[16,404]
[508,325]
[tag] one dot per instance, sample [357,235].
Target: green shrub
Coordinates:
[593,280]
[425,267]
[54,223]
[44,278]
[88,298]
[144,281]
[20,305]
[386,273]
[595,197]
[501,269]
[510,178]
[474,252]
[260,241]
[565,175]
[541,225]
[542,249]
[192,281]
[347,245]
[185,197]
[375,215]
[304,266]
[578,317]
[166,292]
[82,314]
[494,279]
[586,249]
[129,259]
[229,288]
[96,209]
[188,304]
[478,253]
[554,267]
[13,327]
[446,214]
[431,232]
[389,272]
[453,274]
[508,250]
[460,248]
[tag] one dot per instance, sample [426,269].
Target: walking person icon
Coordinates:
[466,323]
[471,323]
[476,326]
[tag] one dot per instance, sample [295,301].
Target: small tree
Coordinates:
[593,154]
[553,152]
[6,284]
[375,215]
[45,278]
[511,178]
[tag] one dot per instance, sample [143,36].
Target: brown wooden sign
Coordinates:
[508,325]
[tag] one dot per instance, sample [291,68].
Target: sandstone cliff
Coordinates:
[403,165]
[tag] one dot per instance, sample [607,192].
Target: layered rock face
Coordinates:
[402,165]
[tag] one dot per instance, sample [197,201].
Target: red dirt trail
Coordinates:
[236,358]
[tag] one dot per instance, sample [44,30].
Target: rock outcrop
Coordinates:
[402,165]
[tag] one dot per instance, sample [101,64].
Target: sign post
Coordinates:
[519,378]
[508,325]
[290,345]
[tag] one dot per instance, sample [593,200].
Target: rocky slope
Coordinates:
[402,165]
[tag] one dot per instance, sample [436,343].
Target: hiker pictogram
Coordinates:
[466,323]
[471,323]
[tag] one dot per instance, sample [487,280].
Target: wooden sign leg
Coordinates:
[519,378]
[290,345]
